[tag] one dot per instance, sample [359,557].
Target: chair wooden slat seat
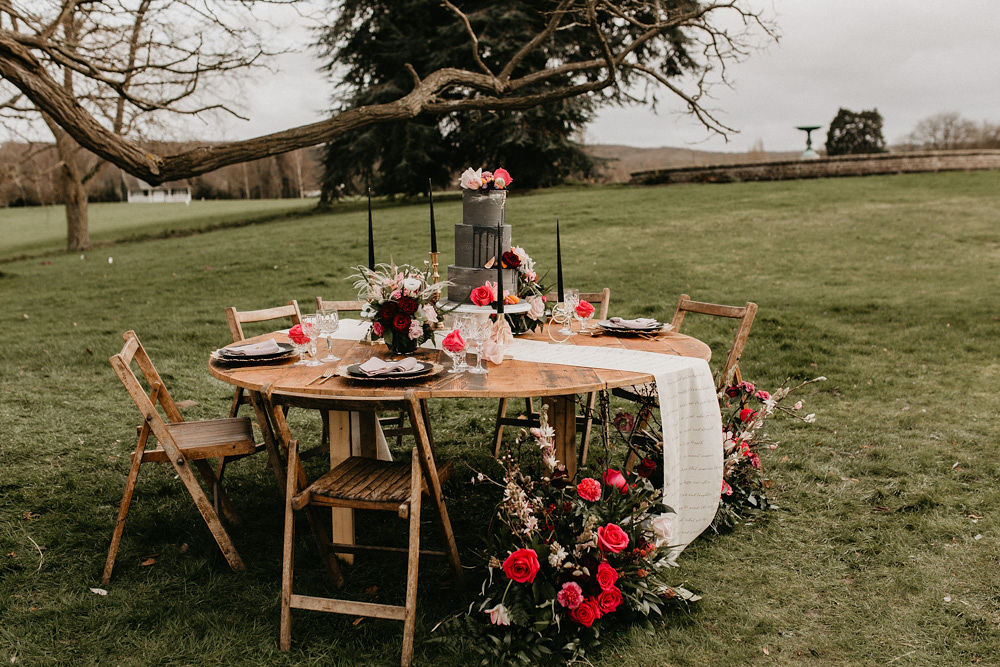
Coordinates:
[211,438]
[364,483]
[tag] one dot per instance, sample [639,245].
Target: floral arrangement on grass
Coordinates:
[569,558]
[529,288]
[484,181]
[745,411]
[401,303]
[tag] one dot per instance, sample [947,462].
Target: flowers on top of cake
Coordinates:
[498,179]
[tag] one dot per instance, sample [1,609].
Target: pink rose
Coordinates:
[536,311]
[584,309]
[522,566]
[297,336]
[609,600]
[615,479]
[453,342]
[611,538]
[377,329]
[763,395]
[606,576]
[589,489]
[571,595]
[416,329]
[483,295]
[501,179]
[726,489]
[586,613]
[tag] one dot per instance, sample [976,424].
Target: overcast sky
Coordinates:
[907,58]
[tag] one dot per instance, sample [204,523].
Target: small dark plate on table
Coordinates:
[424,369]
[284,350]
[609,327]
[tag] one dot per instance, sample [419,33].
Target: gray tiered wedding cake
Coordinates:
[476,244]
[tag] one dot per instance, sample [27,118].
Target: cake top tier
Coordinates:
[483,208]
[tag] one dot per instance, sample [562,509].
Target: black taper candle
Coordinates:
[430,198]
[500,266]
[371,236]
[559,279]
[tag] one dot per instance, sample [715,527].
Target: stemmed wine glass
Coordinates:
[329,322]
[571,299]
[478,332]
[311,329]
[457,323]
[584,321]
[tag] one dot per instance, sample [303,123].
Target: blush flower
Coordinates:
[499,615]
[416,330]
[472,180]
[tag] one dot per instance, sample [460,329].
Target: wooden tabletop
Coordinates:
[511,378]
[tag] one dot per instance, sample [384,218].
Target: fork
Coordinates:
[322,377]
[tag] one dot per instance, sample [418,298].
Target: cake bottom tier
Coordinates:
[466,279]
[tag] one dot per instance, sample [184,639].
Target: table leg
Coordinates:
[339,425]
[562,417]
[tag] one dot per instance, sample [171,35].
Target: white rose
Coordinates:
[411,285]
[663,526]
[430,313]
[537,309]
[472,180]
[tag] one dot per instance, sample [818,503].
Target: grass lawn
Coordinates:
[885,546]
[42,229]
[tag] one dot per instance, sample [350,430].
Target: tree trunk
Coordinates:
[77,224]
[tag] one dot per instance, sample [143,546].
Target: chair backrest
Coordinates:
[599,300]
[745,314]
[341,306]
[238,318]
[122,365]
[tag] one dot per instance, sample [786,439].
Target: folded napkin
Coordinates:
[254,349]
[376,366]
[637,323]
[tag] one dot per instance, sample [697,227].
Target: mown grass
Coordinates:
[38,230]
[889,286]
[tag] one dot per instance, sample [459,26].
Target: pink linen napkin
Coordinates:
[376,366]
[254,349]
[637,323]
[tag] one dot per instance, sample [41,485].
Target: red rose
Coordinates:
[606,576]
[453,342]
[646,467]
[387,311]
[483,295]
[510,259]
[615,479]
[611,538]
[584,309]
[609,600]
[746,414]
[401,322]
[296,335]
[586,613]
[732,392]
[589,489]
[408,305]
[521,566]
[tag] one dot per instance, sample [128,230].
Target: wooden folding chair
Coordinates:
[237,319]
[392,426]
[179,443]
[362,483]
[601,301]
[729,371]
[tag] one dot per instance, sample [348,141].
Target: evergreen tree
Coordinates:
[368,49]
[853,133]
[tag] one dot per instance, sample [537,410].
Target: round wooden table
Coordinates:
[556,384]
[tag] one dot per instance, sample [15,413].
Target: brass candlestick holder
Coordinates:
[435,278]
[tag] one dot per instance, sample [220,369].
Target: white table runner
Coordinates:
[689,413]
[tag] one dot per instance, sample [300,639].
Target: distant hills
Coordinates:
[620,161]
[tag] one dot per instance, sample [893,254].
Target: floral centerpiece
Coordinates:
[529,288]
[568,559]
[401,303]
[484,181]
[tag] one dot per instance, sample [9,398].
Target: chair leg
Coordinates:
[234,409]
[413,561]
[587,427]
[116,535]
[498,431]
[213,478]
[288,553]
